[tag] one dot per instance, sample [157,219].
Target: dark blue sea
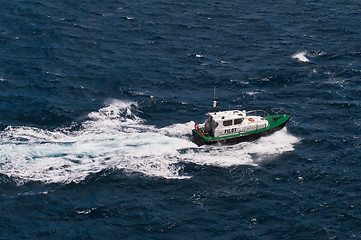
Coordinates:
[98,100]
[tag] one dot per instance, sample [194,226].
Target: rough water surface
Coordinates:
[98,100]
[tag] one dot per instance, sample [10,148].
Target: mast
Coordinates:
[215,107]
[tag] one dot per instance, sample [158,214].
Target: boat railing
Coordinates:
[260,113]
[278,111]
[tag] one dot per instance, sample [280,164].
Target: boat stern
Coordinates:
[197,138]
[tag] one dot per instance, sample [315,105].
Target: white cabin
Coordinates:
[231,122]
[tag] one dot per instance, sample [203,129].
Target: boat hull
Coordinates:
[202,140]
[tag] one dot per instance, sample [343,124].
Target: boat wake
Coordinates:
[116,138]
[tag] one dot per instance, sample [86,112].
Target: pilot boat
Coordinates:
[235,126]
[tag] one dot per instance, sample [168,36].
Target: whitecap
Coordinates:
[301,56]
[86,211]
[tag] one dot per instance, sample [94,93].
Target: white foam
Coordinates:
[301,56]
[115,137]
[245,153]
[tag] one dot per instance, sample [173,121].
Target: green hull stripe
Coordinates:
[273,121]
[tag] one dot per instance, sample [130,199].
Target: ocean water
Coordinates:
[98,100]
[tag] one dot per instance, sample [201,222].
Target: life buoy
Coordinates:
[251,119]
[196,127]
[202,132]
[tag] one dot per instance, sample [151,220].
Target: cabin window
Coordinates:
[238,121]
[227,123]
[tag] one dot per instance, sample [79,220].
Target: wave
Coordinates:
[114,137]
